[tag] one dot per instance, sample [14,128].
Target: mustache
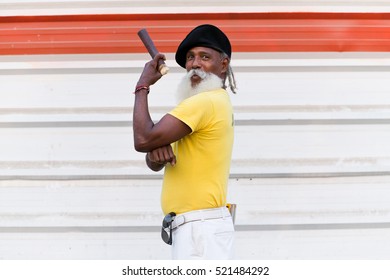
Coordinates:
[197,72]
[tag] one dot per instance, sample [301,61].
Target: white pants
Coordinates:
[205,239]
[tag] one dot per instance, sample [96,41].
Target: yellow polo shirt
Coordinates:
[199,178]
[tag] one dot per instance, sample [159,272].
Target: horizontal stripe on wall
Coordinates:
[249,32]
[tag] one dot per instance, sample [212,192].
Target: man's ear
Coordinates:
[225,65]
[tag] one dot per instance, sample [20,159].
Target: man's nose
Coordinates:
[196,63]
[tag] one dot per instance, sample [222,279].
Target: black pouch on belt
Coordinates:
[166,230]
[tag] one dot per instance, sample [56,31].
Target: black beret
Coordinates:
[205,35]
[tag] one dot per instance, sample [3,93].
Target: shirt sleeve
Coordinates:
[194,111]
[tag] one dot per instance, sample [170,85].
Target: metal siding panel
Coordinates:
[359,244]
[310,168]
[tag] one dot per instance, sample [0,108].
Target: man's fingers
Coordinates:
[159,56]
[163,155]
[172,157]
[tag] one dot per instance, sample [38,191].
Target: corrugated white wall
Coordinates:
[310,170]
[311,161]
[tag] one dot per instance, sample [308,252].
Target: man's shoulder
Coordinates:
[210,94]
[204,100]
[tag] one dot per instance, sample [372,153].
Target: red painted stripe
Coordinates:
[249,32]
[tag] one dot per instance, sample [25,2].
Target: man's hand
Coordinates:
[162,155]
[151,73]
[159,157]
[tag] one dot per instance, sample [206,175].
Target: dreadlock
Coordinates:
[229,75]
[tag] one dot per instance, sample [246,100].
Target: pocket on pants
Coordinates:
[224,240]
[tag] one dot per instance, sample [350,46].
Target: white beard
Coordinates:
[209,82]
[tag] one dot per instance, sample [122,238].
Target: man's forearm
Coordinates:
[142,122]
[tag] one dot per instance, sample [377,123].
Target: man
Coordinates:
[200,130]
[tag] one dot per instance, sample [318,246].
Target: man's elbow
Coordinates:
[140,147]
[143,145]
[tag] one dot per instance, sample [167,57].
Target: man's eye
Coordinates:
[205,57]
[190,57]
